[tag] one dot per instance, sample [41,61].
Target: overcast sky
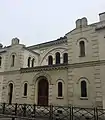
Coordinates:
[37,21]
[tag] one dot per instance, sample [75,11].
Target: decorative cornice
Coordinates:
[44,68]
[10,72]
[55,67]
[63,66]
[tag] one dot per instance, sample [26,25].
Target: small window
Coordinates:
[82,48]
[57,58]
[65,58]
[29,60]
[50,60]
[59,89]
[25,89]
[83,89]
[33,60]
[0,61]
[13,60]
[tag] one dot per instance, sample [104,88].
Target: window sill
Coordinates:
[24,96]
[82,56]
[60,97]
[84,98]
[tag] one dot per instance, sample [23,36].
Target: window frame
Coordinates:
[57,58]
[25,90]
[50,60]
[82,48]
[57,96]
[65,58]
[0,61]
[13,58]
[29,62]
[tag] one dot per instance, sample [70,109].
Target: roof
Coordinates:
[46,44]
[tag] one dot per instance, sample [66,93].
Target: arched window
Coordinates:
[57,58]
[82,48]
[25,89]
[83,89]
[29,60]
[0,61]
[60,89]
[10,92]
[13,60]
[50,60]
[33,60]
[65,58]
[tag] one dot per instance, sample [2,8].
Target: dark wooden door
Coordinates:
[43,92]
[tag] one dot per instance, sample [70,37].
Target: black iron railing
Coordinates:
[51,112]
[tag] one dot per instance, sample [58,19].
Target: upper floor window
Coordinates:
[50,60]
[33,60]
[82,48]
[65,58]
[25,89]
[60,89]
[57,58]
[29,60]
[0,61]
[13,60]
[83,89]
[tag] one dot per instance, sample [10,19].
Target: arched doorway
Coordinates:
[10,92]
[43,87]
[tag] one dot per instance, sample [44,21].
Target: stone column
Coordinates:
[50,94]
[70,86]
[98,87]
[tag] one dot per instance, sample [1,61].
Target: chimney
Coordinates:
[102,16]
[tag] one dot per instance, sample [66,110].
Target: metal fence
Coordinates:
[36,112]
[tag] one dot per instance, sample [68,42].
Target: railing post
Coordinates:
[24,110]
[96,115]
[3,108]
[51,112]
[70,112]
[34,109]
[16,109]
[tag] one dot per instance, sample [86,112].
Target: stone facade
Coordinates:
[21,64]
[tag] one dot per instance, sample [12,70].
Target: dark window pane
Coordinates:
[25,89]
[10,92]
[13,60]
[83,89]
[57,58]
[65,58]
[59,89]
[50,60]
[82,49]
[33,60]
[0,61]
[29,60]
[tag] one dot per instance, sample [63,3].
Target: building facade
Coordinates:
[66,71]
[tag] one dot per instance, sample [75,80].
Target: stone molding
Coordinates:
[56,67]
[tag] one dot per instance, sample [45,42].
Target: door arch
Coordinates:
[43,91]
[10,92]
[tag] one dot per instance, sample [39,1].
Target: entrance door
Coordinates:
[43,92]
[10,92]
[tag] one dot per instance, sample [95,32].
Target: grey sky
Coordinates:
[36,21]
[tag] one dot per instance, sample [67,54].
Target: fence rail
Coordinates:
[51,112]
